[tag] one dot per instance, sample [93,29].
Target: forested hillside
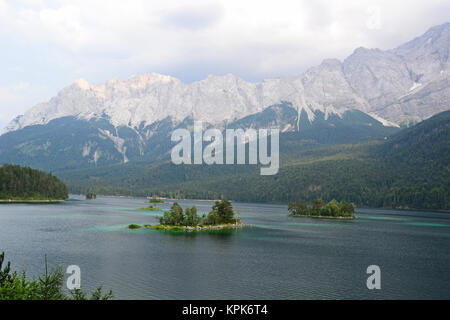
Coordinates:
[24,183]
[407,170]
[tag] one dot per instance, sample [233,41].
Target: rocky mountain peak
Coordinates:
[407,83]
[428,55]
[82,84]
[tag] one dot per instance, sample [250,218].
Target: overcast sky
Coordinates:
[47,44]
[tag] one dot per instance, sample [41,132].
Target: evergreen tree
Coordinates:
[224,211]
[24,183]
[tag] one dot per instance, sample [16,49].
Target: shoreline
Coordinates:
[275,203]
[322,217]
[147,198]
[160,227]
[6,201]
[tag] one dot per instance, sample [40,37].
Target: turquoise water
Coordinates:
[279,257]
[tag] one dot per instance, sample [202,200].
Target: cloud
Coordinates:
[9,97]
[16,98]
[168,32]
[194,17]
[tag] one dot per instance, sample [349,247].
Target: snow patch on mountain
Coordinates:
[384,122]
[415,86]
[119,143]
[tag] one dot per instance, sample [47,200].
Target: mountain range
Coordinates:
[408,169]
[372,95]
[408,83]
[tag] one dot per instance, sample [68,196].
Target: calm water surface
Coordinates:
[280,257]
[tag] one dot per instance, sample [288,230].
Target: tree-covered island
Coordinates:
[24,184]
[155,199]
[221,217]
[91,196]
[318,209]
[150,208]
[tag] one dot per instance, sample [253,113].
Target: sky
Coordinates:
[45,45]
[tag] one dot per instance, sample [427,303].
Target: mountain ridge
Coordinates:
[370,80]
[407,170]
[69,143]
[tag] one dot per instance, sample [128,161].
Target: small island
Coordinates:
[26,185]
[150,208]
[91,196]
[221,217]
[318,209]
[154,199]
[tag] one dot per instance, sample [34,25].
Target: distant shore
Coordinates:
[148,198]
[322,217]
[30,201]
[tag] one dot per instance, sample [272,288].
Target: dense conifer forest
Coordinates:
[25,183]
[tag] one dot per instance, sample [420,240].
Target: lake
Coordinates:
[279,257]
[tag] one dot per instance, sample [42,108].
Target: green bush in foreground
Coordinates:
[15,286]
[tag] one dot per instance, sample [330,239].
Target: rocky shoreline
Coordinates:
[160,227]
[217,227]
